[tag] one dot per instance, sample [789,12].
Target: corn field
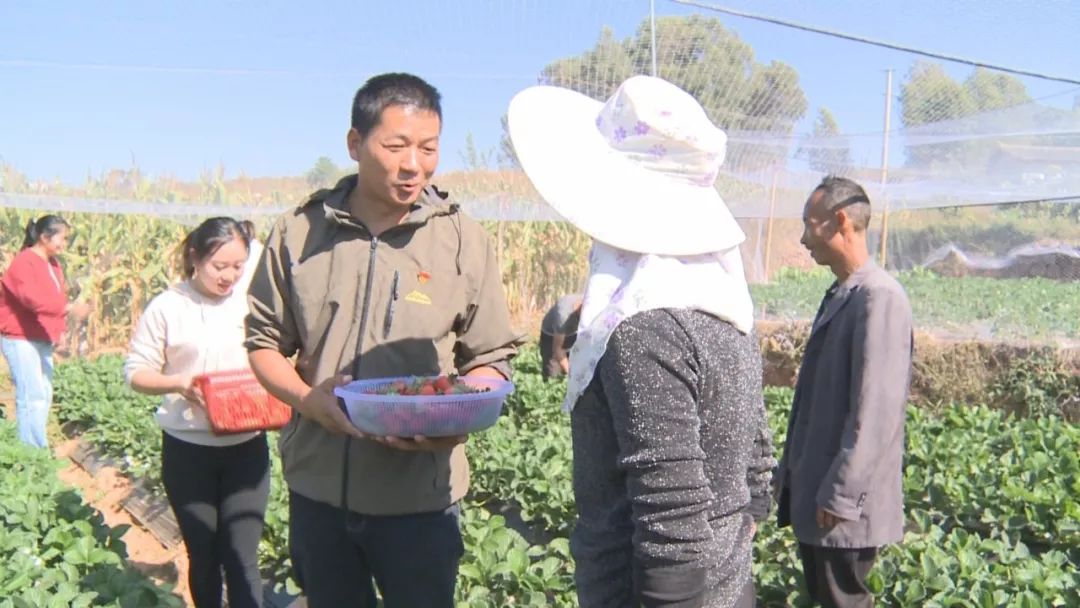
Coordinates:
[118,262]
[114,262]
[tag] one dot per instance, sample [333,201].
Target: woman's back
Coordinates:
[678,447]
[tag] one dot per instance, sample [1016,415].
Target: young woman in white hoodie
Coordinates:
[218,485]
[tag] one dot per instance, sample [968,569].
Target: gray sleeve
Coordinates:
[650,384]
[760,470]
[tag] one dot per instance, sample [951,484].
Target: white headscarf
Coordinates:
[622,284]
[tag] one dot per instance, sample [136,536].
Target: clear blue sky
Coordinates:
[265,86]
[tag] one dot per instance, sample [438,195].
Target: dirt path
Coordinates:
[106,492]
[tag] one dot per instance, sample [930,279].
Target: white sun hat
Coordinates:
[635,172]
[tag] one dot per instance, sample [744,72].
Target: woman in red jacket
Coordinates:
[33,316]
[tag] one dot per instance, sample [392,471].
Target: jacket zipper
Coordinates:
[356,372]
[364,307]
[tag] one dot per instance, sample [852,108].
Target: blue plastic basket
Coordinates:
[427,415]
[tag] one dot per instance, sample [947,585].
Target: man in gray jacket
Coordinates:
[839,481]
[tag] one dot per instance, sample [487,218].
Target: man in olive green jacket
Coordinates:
[379,276]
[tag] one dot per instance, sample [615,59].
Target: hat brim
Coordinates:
[601,191]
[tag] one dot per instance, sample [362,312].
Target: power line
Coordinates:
[222,71]
[231,71]
[863,40]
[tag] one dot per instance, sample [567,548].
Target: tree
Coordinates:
[930,95]
[708,61]
[596,73]
[826,150]
[990,90]
[324,173]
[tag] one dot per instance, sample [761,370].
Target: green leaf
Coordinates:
[517,560]
[469,571]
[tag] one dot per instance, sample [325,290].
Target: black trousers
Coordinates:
[340,558]
[836,578]
[219,495]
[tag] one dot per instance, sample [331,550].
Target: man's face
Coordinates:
[820,230]
[398,157]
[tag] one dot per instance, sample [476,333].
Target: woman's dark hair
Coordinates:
[207,238]
[46,225]
[248,228]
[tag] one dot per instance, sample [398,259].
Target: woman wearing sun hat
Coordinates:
[672,455]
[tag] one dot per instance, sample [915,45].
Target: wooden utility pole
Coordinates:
[885,170]
[652,32]
[769,226]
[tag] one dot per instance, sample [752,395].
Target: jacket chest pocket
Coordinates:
[423,304]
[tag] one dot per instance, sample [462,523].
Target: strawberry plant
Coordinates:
[992,508]
[525,459]
[991,500]
[120,422]
[981,470]
[55,550]
[500,568]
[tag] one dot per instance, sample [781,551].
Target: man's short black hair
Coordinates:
[842,193]
[394,89]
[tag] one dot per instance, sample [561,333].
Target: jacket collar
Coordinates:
[839,294]
[432,203]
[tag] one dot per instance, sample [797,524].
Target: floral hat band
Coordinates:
[679,142]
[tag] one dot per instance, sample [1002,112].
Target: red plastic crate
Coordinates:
[237,403]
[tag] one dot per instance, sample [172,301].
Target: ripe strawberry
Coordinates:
[426,389]
[442,384]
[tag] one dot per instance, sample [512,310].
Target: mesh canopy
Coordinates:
[976,179]
[957,135]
